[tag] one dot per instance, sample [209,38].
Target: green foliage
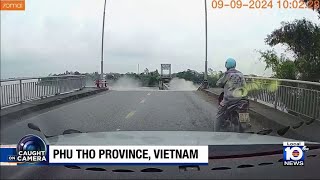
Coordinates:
[149,79]
[197,78]
[287,70]
[301,37]
[92,76]
[213,77]
[191,75]
[282,67]
[153,80]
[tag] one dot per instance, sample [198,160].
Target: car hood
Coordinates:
[164,138]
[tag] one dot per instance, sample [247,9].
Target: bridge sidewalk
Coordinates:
[307,129]
[19,110]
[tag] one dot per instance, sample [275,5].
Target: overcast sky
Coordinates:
[53,36]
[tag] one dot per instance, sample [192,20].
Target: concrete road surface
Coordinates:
[122,111]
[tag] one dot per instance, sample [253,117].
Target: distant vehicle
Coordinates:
[101,83]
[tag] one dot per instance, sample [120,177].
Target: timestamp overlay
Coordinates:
[266,4]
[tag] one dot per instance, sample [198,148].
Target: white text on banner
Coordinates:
[128,154]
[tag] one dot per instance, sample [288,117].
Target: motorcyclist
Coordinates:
[233,84]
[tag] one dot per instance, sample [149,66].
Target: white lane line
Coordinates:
[130,114]
[148,94]
[142,101]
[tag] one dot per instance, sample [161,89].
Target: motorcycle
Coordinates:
[237,116]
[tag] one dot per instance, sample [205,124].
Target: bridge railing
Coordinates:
[300,98]
[15,91]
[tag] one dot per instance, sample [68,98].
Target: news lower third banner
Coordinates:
[117,155]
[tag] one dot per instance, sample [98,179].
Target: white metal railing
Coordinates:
[14,91]
[292,96]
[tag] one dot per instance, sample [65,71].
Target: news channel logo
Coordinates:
[294,153]
[30,149]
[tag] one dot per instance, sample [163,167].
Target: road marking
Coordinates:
[130,114]
[148,94]
[143,100]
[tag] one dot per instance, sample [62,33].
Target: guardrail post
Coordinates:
[276,96]
[80,83]
[57,84]
[20,93]
[82,79]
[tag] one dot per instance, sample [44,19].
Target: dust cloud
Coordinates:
[126,84]
[130,84]
[177,84]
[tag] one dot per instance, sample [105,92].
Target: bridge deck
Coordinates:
[132,110]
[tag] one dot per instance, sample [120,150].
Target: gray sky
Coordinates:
[53,36]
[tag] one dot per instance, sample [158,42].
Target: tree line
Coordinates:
[301,38]
[300,61]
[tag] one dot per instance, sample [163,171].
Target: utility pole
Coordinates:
[138,69]
[102,39]
[205,82]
